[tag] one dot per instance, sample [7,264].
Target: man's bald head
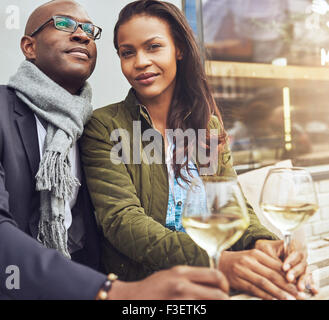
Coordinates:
[68,58]
[45,12]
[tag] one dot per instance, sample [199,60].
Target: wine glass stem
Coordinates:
[287,240]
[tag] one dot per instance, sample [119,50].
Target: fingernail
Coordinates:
[286,266]
[291,277]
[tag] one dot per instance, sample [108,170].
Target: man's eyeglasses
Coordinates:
[70,25]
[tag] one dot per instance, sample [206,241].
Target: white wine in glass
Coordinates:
[288,199]
[215,214]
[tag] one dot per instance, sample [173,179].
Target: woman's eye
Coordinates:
[126,54]
[154,46]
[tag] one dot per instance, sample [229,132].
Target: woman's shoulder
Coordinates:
[119,112]
[112,115]
[110,110]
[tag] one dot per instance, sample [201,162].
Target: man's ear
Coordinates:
[28,47]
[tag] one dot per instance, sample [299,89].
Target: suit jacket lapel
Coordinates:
[28,131]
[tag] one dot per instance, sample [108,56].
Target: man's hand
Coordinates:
[181,283]
[258,273]
[294,266]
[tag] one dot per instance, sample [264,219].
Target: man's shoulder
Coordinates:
[7,98]
[6,92]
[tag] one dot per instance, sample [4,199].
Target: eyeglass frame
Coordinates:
[78,24]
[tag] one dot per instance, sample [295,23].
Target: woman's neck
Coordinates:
[158,108]
[159,114]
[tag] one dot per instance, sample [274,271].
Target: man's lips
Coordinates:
[146,78]
[79,53]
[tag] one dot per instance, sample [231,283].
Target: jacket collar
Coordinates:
[136,108]
[28,132]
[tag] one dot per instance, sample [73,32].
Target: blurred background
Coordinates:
[267,61]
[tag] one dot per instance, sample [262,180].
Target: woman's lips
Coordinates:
[146,79]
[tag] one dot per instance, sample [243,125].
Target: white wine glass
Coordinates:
[288,199]
[215,214]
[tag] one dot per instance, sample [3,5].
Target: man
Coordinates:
[42,191]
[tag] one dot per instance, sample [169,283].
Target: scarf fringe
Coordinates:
[51,238]
[55,175]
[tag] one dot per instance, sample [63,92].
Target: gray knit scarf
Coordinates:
[65,115]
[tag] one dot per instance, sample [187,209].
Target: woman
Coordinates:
[134,192]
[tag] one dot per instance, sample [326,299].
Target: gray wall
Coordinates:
[108,83]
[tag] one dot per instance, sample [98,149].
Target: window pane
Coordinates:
[267,62]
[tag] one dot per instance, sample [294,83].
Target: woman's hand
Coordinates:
[259,273]
[294,266]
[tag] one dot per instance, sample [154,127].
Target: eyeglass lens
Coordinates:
[70,25]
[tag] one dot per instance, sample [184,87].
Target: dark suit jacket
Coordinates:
[44,273]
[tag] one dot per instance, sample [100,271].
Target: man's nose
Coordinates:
[80,36]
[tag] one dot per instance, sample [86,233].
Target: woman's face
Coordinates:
[148,57]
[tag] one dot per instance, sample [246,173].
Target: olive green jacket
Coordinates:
[131,200]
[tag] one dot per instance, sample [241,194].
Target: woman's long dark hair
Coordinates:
[192,104]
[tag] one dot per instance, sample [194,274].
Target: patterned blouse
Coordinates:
[177,192]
